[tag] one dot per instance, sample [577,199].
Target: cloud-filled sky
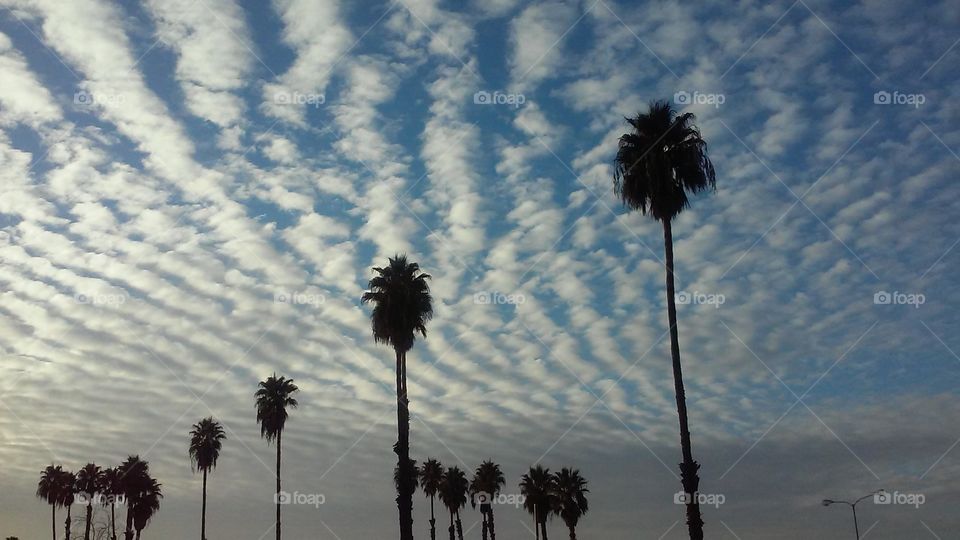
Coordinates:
[193,192]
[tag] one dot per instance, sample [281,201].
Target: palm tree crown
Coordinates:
[50,484]
[89,480]
[487,479]
[537,487]
[660,160]
[273,398]
[402,303]
[205,443]
[431,473]
[147,504]
[570,491]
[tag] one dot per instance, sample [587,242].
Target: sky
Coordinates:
[193,193]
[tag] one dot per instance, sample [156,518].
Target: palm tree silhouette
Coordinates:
[570,491]
[67,491]
[431,473]
[273,398]
[453,495]
[402,306]
[88,484]
[205,442]
[486,484]
[134,482]
[50,489]
[537,487]
[110,487]
[146,505]
[657,163]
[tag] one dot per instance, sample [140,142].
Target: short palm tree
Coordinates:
[273,397]
[146,505]
[49,490]
[134,482]
[110,487]
[484,488]
[430,475]
[537,488]
[660,161]
[570,498]
[206,439]
[453,495]
[402,306]
[88,484]
[68,489]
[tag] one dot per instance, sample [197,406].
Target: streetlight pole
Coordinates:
[853,506]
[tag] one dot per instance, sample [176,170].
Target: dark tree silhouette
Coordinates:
[67,492]
[50,489]
[273,398]
[135,482]
[146,505]
[486,484]
[570,500]
[88,484]
[453,495]
[205,443]
[402,306]
[657,164]
[431,473]
[537,487]
[110,487]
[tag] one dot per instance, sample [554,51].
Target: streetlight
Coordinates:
[853,506]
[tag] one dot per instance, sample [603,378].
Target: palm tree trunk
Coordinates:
[451,529]
[53,519]
[483,518]
[536,523]
[404,493]
[493,534]
[573,532]
[279,435]
[543,527]
[138,533]
[433,521]
[688,469]
[86,528]
[203,511]
[113,520]
[459,527]
[128,530]
[66,525]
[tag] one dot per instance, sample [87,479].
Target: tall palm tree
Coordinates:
[453,495]
[68,490]
[135,481]
[205,443]
[430,475]
[658,162]
[273,397]
[110,487]
[570,491]
[88,484]
[485,486]
[49,489]
[146,505]
[402,307]
[537,487]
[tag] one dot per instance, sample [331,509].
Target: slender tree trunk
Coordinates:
[483,519]
[86,528]
[203,511]
[451,529]
[279,435]
[138,533]
[113,520]
[66,524]
[53,519]
[536,523]
[688,469]
[573,532]
[128,529]
[493,533]
[433,521]
[459,527]
[404,493]
[543,527]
